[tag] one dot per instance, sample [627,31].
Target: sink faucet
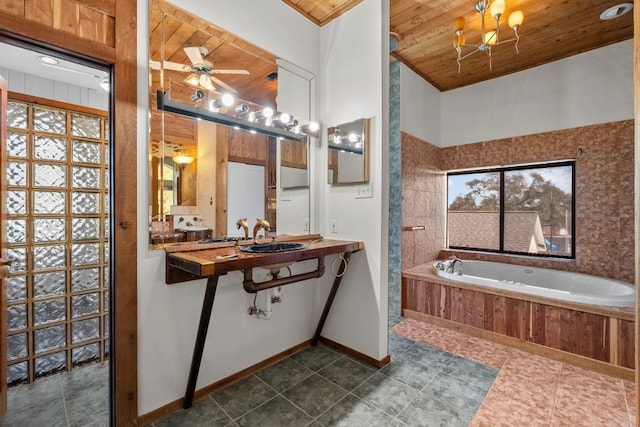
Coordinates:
[261,223]
[242,222]
[452,264]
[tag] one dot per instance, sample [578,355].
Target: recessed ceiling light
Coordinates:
[48,60]
[616,11]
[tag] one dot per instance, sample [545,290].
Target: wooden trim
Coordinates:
[106,7]
[247,160]
[124,267]
[57,40]
[356,354]
[3,247]
[559,355]
[636,222]
[176,405]
[21,97]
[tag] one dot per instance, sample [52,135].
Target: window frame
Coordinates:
[501,170]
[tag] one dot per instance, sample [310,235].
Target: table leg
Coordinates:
[330,298]
[201,337]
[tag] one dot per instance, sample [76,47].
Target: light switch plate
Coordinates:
[364,191]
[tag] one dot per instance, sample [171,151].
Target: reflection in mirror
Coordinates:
[232,173]
[294,170]
[348,157]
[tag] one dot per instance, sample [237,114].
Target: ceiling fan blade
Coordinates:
[194,55]
[168,65]
[154,65]
[245,72]
[223,84]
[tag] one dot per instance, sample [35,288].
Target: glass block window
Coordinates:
[57,216]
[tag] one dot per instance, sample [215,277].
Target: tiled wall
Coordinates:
[423,201]
[604,156]
[395,194]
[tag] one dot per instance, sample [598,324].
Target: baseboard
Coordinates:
[552,353]
[356,354]
[176,405]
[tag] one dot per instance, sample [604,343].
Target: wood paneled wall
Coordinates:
[605,338]
[104,31]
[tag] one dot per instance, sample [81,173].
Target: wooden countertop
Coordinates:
[203,260]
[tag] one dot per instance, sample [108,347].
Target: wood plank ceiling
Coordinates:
[551,30]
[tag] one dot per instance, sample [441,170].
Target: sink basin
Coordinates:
[269,248]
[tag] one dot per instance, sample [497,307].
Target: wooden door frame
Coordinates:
[4,90]
[122,57]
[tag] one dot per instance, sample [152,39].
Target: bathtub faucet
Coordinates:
[452,264]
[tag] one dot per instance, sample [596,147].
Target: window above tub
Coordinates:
[524,209]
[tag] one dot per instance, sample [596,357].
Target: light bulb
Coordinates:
[284,118]
[490,38]
[227,100]
[459,24]
[314,127]
[496,9]
[515,19]
[242,108]
[353,137]
[267,112]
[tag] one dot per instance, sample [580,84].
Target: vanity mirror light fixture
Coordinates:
[180,157]
[226,110]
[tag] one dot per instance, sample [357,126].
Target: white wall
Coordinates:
[420,107]
[59,91]
[352,87]
[586,89]
[168,315]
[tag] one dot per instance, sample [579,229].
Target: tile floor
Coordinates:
[437,377]
[79,398]
[423,386]
[532,390]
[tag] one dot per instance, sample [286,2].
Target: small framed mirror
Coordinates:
[348,157]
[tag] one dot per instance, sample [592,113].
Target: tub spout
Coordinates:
[452,265]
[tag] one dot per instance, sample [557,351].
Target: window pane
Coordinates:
[538,210]
[50,148]
[17,144]
[49,202]
[86,152]
[16,202]
[85,126]
[474,210]
[49,175]
[16,115]
[49,120]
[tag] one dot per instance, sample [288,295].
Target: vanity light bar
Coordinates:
[165,103]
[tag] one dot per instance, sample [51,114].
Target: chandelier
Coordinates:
[489,38]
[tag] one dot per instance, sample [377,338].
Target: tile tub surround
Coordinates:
[422,386]
[533,390]
[604,156]
[424,193]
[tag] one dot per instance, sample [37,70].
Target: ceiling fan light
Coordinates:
[459,24]
[516,18]
[205,82]
[496,9]
[48,60]
[192,80]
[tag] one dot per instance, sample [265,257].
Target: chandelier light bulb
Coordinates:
[496,9]
[490,38]
[459,24]
[515,19]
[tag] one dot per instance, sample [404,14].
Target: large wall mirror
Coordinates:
[205,175]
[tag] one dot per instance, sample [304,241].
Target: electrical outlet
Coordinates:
[306,224]
[334,226]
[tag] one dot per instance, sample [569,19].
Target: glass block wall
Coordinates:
[57,238]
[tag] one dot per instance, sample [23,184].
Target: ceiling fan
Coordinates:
[201,71]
